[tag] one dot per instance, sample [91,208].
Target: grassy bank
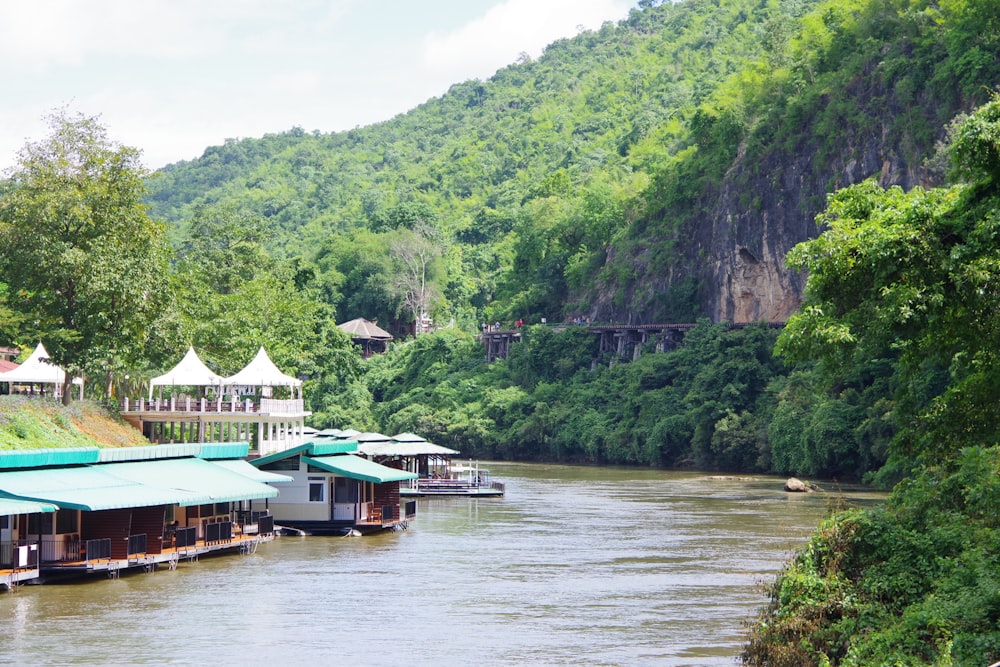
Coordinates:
[37,423]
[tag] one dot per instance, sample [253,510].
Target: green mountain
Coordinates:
[658,169]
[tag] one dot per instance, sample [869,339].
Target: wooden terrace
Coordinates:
[271,424]
[75,556]
[18,562]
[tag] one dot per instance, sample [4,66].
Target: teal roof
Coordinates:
[182,481]
[10,506]
[338,447]
[224,450]
[312,448]
[243,468]
[204,481]
[356,467]
[147,452]
[35,458]
[88,488]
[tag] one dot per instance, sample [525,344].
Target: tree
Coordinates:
[415,252]
[84,261]
[917,273]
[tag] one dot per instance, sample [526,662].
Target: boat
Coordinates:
[455,479]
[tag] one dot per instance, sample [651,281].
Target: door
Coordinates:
[345,499]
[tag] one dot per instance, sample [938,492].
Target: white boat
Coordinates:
[454,479]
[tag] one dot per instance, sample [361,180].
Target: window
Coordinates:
[67,521]
[317,488]
[345,490]
[4,522]
[40,522]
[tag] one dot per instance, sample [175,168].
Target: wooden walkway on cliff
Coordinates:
[622,340]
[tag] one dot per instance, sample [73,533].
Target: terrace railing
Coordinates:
[17,554]
[221,531]
[231,405]
[99,549]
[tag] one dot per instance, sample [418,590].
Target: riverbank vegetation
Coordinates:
[30,423]
[913,583]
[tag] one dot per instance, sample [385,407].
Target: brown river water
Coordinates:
[575,566]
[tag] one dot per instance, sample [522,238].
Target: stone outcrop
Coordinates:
[796,485]
[734,247]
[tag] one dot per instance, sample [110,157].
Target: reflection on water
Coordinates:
[602,566]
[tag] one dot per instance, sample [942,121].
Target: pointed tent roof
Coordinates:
[362,328]
[36,369]
[191,371]
[261,372]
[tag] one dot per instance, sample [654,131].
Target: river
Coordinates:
[576,565]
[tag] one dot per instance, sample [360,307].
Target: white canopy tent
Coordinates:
[190,372]
[36,369]
[261,372]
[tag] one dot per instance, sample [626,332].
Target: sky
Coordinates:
[172,77]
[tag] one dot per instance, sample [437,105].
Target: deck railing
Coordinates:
[16,554]
[136,544]
[255,522]
[232,405]
[99,549]
[221,531]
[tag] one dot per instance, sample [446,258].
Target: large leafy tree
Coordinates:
[83,259]
[917,273]
[233,298]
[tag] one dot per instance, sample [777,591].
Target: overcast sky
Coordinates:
[171,77]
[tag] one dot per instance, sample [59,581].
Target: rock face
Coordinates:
[749,244]
[734,243]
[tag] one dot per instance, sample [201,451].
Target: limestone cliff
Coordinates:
[733,245]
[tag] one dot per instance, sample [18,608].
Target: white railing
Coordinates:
[266,406]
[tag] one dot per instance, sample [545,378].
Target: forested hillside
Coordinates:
[655,170]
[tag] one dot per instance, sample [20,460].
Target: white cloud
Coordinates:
[172,77]
[497,38]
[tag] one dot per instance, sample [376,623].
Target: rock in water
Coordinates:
[796,485]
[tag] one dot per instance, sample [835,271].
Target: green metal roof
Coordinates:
[324,448]
[224,450]
[89,488]
[204,481]
[356,467]
[243,468]
[34,458]
[11,506]
[182,481]
[278,456]
[147,452]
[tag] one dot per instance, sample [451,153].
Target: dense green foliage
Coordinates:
[79,249]
[88,272]
[915,583]
[585,181]
[703,404]
[526,178]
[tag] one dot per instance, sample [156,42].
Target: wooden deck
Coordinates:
[170,556]
[10,579]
